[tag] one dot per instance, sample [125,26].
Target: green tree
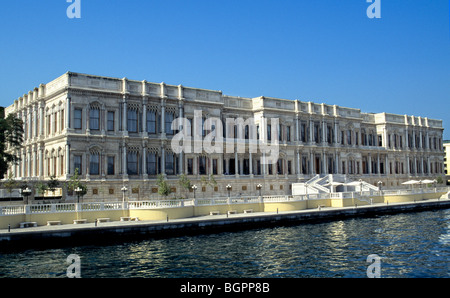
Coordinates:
[52,184]
[74,182]
[208,181]
[184,183]
[163,186]
[11,135]
[10,185]
[41,188]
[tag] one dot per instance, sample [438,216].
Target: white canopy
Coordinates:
[411,182]
[426,181]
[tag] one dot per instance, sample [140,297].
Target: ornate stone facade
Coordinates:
[118,132]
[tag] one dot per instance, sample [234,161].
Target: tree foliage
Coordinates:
[11,137]
[184,183]
[74,182]
[163,186]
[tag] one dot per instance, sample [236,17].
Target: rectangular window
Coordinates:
[77,118]
[280,132]
[288,133]
[61,119]
[170,169]
[303,132]
[190,166]
[168,123]
[94,165]
[94,119]
[151,121]
[269,132]
[110,124]
[132,121]
[77,163]
[202,165]
[110,165]
[151,164]
[55,127]
[280,166]
[214,166]
[132,163]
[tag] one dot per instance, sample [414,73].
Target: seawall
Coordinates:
[73,235]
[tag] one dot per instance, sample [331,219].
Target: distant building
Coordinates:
[447,159]
[118,132]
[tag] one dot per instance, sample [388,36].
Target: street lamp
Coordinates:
[258,187]
[194,188]
[379,185]
[360,186]
[78,191]
[229,189]
[26,192]
[124,190]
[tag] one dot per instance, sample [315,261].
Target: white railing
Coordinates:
[158,204]
[12,210]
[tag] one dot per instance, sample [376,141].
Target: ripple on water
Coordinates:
[410,245]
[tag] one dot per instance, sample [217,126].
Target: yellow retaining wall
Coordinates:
[161,214]
[65,218]
[223,209]
[284,206]
[13,220]
[413,197]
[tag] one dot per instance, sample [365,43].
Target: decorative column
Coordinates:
[163,160]
[144,116]
[250,162]
[67,113]
[144,160]
[124,162]
[180,127]
[41,119]
[124,115]
[236,164]
[41,163]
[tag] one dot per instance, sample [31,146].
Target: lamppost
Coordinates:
[78,191]
[124,190]
[194,188]
[360,186]
[435,186]
[379,186]
[259,187]
[229,190]
[26,192]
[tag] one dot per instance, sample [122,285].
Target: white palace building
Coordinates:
[118,132]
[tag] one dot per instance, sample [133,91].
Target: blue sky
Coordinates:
[320,50]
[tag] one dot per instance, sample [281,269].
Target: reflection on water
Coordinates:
[410,245]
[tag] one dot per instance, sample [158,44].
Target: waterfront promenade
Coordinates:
[99,232]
